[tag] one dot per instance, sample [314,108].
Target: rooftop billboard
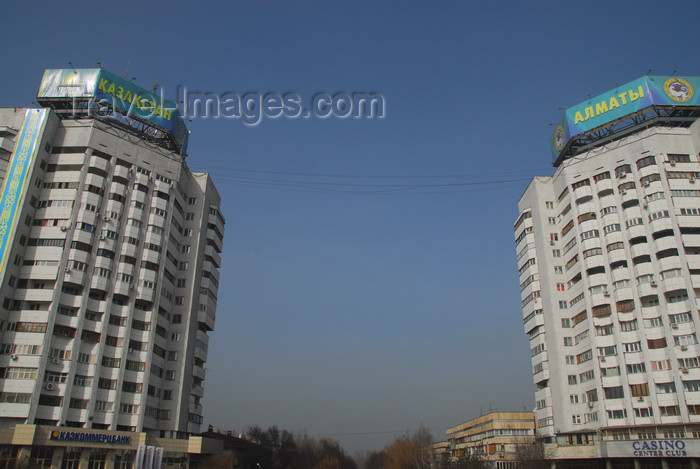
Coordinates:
[118,93]
[622,101]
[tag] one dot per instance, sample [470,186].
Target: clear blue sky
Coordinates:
[346,308]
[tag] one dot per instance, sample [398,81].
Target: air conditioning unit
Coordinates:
[622,175]
[106,218]
[640,399]
[606,293]
[645,205]
[64,228]
[67,269]
[645,184]
[602,359]
[674,326]
[49,386]
[652,283]
[14,356]
[551,242]
[131,350]
[623,192]
[684,370]
[672,163]
[590,404]
[684,348]
[102,237]
[691,180]
[56,361]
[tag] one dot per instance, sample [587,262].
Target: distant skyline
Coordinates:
[369,282]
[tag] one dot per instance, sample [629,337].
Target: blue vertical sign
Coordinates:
[17,178]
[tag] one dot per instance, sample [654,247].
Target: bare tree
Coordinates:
[534,455]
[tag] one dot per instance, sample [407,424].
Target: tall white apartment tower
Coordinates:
[608,252]
[110,254]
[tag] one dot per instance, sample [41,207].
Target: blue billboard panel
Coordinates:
[17,178]
[623,101]
[119,94]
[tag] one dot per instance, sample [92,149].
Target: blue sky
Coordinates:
[346,309]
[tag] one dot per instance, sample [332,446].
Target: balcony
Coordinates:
[204,319]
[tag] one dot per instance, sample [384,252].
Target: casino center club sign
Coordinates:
[649,448]
[627,99]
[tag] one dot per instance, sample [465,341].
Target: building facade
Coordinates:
[495,437]
[608,252]
[110,252]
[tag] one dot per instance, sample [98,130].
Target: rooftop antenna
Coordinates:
[155,82]
[126,71]
[674,72]
[99,64]
[71,65]
[650,70]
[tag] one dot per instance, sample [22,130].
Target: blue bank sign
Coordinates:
[87,437]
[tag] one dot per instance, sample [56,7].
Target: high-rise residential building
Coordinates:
[608,252]
[110,250]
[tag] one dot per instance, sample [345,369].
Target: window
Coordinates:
[617,414]
[661,365]
[632,347]
[614,392]
[678,158]
[132,387]
[689,386]
[646,161]
[111,362]
[607,351]
[653,322]
[633,368]
[601,176]
[614,246]
[585,182]
[669,411]
[611,228]
[592,252]
[668,388]
[625,306]
[610,371]
[590,234]
[656,343]
[688,339]
[601,311]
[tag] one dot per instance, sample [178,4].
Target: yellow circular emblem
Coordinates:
[559,138]
[678,89]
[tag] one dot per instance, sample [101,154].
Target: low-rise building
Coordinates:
[494,436]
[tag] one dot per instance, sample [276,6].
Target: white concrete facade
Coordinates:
[608,253]
[110,288]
